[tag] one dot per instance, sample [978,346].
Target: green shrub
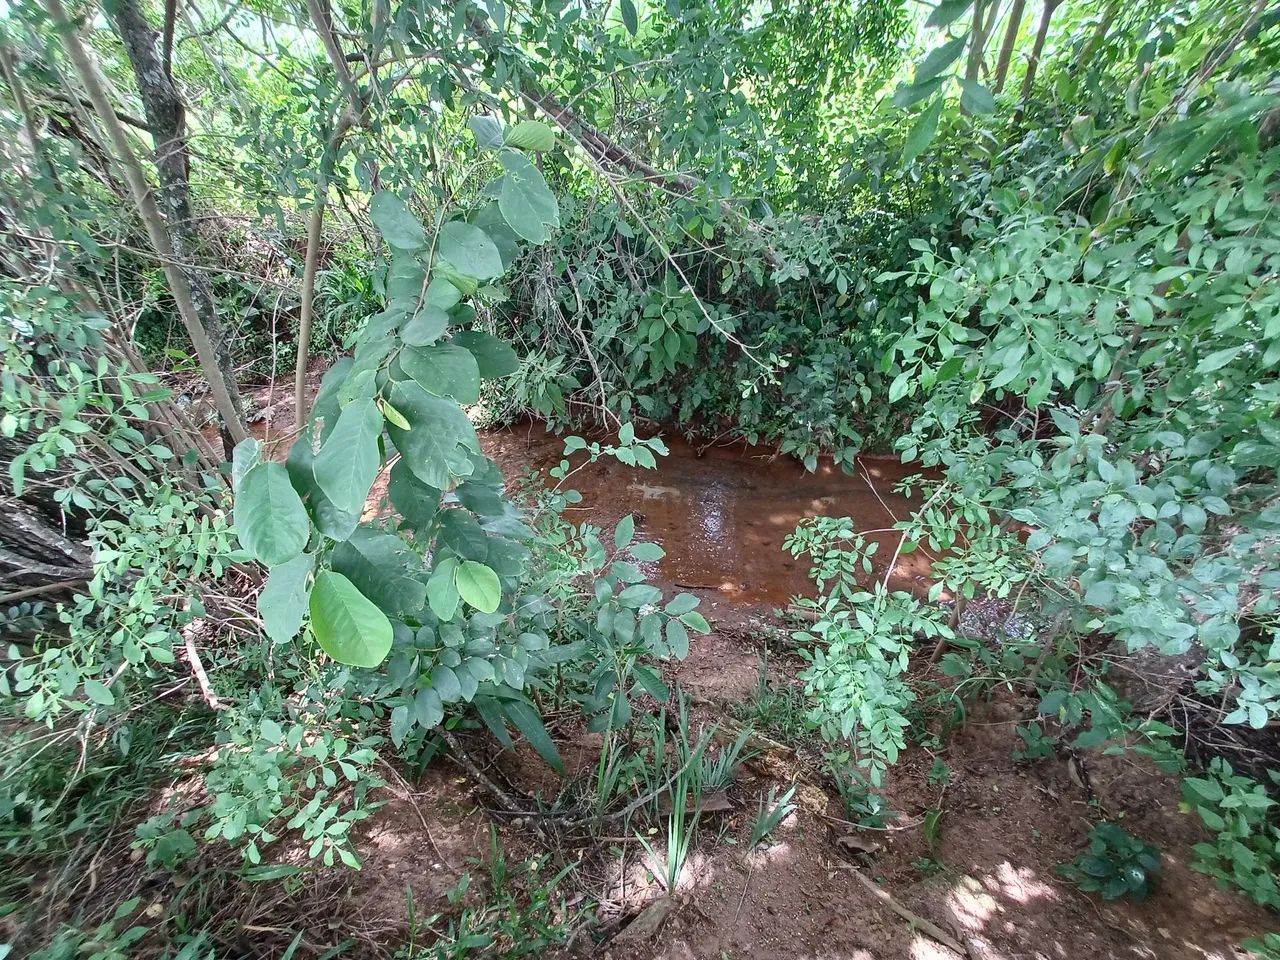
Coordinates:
[1117,864]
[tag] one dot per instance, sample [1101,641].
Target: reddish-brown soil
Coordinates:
[989,883]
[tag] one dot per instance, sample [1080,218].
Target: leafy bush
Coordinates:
[1245,851]
[1118,864]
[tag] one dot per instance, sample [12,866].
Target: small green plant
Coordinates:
[517,916]
[720,767]
[683,787]
[1265,948]
[860,801]
[1245,851]
[1117,864]
[1036,744]
[778,709]
[770,813]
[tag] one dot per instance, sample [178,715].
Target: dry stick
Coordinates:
[197,667]
[44,588]
[152,219]
[927,927]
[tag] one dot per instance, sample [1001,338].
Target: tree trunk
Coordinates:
[977,41]
[166,117]
[1033,62]
[1010,39]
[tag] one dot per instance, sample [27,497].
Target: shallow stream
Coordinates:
[722,512]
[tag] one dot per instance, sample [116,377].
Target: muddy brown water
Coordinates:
[721,513]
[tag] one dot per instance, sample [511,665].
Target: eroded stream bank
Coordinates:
[722,512]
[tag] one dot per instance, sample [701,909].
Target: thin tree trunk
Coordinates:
[158,231]
[977,40]
[166,116]
[315,224]
[1010,39]
[1033,62]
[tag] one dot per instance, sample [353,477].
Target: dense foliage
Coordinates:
[1031,248]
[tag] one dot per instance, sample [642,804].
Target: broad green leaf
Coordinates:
[976,98]
[647,552]
[624,532]
[629,18]
[940,58]
[922,131]
[494,357]
[396,222]
[349,461]
[283,601]
[1218,359]
[487,131]
[442,591]
[99,693]
[438,437]
[947,12]
[347,625]
[677,639]
[696,621]
[479,586]
[270,519]
[462,533]
[246,456]
[384,569]
[528,722]
[445,682]
[416,502]
[426,326]
[469,249]
[526,202]
[531,135]
[909,95]
[681,604]
[638,594]
[329,519]
[446,370]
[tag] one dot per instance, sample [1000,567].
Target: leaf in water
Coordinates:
[283,601]
[396,222]
[270,519]
[346,624]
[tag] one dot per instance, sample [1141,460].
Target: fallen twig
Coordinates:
[927,927]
